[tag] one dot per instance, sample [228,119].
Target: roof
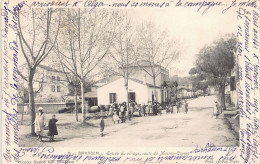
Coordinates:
[92,94]
[132,79]
[143,63]
[47,68]
[184,89]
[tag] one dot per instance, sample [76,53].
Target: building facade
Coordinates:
[138,91]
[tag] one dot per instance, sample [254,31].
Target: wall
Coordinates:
[158,94]
[46,94]
[140,74]
[48,107]
[117,87]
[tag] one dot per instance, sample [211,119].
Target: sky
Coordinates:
[190,28]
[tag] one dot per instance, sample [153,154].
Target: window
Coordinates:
[53,88]
[53,78]
[112,98]
[58,88]
[58,78]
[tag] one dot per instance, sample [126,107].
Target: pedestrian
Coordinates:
[175,108]
[216,109]
[52,127]
[143,109]
[39,124]
[186,107]
[155,109]
[102,126]
[160,110]
[178,107]
[147,110]
[131,111]
[115,117]
[171,108]
[151,108]
[111,112]
[122,112]
[166,109]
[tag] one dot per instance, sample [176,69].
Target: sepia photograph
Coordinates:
[127,77]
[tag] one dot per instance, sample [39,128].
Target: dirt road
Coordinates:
[168,130]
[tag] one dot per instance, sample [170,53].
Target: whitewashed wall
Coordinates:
[117,86]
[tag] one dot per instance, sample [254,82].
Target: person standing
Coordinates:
[171,108]
[102,126]
[39,124]
[186,107]
[178,107]
[52,128]
[123,113]
[147,110]
[160,110]
[115,117]
[143,109]
[216,109]
[111,112]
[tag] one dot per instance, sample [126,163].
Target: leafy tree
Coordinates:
[198,80]
[216,62]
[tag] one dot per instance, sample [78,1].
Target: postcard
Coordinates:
[124,81]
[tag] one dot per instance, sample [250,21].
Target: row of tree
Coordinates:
[214,65]
[87,44]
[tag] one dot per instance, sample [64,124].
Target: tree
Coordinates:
[37,33]
[217,61]
[86,40]
[198,80]
[73,83]
[174,85]
[156,51]
[122,50]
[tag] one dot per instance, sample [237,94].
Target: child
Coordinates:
[52,128]
[102,126]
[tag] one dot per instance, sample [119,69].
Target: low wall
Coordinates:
[47,107]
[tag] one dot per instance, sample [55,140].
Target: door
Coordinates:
[131,96]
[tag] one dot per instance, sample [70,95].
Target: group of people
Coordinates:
[118,112]
[40,125]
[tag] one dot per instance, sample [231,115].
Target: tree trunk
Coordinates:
[127,96]
[31,100]
[154,90]
[76,103]
[83,110]
[221,96]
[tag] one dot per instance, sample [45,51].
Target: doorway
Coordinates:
[131,96]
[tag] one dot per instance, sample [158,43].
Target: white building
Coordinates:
[50,85]
[139,91]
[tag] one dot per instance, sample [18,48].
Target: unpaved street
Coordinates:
[168,130]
